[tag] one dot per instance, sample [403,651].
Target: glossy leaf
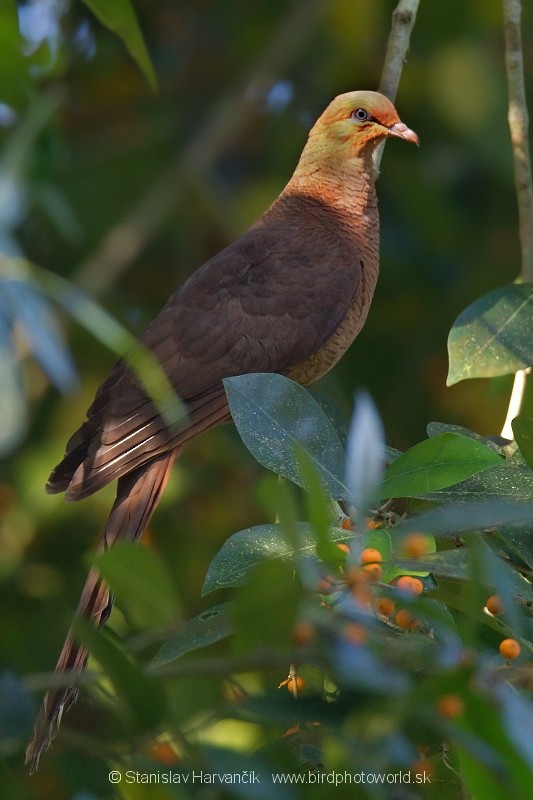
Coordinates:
[274,415]
[206,628]
[250,547]
[436,463]
[437,428]
[493,336]
[120,17]
[141,583]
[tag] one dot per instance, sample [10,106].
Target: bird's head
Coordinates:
[356,121]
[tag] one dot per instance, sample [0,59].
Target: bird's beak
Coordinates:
[403,132]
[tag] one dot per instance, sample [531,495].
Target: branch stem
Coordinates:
[403,20]
[518,126]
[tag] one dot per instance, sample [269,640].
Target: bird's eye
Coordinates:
[360,114]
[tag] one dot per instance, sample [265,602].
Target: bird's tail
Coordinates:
[138,493]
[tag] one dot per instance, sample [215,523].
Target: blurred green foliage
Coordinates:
[124,191]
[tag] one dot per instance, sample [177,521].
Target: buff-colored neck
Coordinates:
[341,178]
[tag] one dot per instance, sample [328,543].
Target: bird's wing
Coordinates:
[264,304]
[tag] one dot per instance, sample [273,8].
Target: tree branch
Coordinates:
[518,126]
[403,20]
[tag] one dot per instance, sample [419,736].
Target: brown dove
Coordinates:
[289,297]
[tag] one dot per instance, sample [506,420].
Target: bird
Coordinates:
[289,296]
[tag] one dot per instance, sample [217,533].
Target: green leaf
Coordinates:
[274,415]
[120,17]
[141,583]
[437,428]
[144,695]
[250,547]
[206,628]
[436,463]
[523,434]
[266,607]
[493,336]
[15,85]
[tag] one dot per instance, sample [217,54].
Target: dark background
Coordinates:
[172,177]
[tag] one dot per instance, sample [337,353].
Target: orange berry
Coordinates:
[344,547]
[415,545]
[450,706]
[410,585]
[510,649]
[355,577]
[385,606]
[162,752]
[362,593]
[370,556]
[297,682]
[355,634]
[374,572]
[423,768]
[405,620]
[494,605]
[347,524]
[303,633]
[371,524]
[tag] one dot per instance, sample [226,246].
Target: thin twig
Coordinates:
[518,126]
[403,20]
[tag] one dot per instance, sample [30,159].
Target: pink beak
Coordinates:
[403,132]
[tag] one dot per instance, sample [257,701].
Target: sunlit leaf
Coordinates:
[436,463]
[493,336]
[274,415]
[120,17]
[244,550]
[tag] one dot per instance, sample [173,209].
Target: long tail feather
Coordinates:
[138,493]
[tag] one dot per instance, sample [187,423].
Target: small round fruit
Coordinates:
[303,633]
[494,605]
[422,769]
[370,556]
[450,706]
[385,606]
[405,620]
[297,682]
[347,524]
[510,649]
[415,545]
[344,547]
[163,753]
[410,585]
[355,634]
[373,572]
